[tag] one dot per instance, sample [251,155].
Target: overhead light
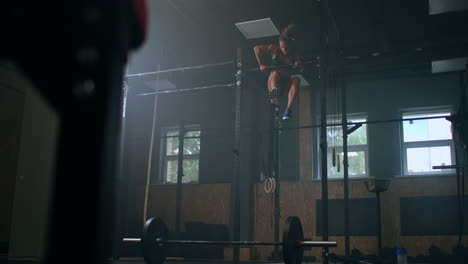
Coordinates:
[258,28]
[353,57]
[375,54]
[418,49]
[449,65]
[444,6]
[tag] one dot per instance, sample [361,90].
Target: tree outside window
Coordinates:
[170,153]
[357,149]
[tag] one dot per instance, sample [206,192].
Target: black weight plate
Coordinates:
[292,235]
[153,252]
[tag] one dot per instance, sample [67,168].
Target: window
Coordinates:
[427,143]
[357,149]
[170,153]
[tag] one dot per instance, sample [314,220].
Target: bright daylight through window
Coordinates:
[427,143]
[357,150]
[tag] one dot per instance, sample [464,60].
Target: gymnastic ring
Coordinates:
[273,181]
[268,185]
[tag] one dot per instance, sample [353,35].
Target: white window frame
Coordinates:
[166,158]
[351,148]
[425,144]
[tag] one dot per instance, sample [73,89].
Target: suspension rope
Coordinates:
[150,153]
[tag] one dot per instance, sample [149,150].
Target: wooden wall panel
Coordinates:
[414,187]
[299,198]
[12,98]
[305,135]
[210,203]
[34,175]
[11,107]
[207,203]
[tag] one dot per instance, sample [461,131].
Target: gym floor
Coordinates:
[190,262]
[7,261]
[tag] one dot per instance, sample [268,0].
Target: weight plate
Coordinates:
[153,252]
[292,235]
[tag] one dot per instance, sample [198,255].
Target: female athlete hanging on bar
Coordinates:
[284,59]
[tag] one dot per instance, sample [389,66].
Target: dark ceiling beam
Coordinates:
[406,63]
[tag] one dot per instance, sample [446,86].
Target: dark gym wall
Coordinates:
[385,99]
[180,42]
[465,80]
[380,97]
[465,83]
[29,167]
[207,203]
[11,107]
[214,111]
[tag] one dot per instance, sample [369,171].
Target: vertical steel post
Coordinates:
[344,121]
[276,175]
[180,174]
[237,144]
[323,122]
[379,225]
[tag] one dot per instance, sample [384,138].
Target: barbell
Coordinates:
[155,234]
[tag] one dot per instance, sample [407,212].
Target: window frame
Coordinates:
[352,148]
[425,143]
[164,158]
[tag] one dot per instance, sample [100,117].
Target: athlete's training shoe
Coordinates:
[287,114]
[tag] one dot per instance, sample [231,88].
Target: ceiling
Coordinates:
[187,32]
